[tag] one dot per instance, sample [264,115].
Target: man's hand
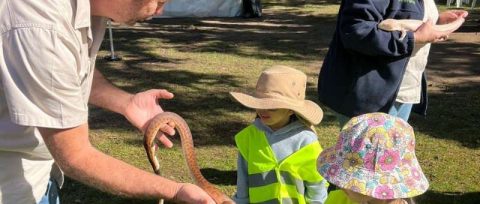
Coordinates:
[190,193]
[143,106]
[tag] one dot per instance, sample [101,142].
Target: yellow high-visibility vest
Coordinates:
[338,197]
[270,181]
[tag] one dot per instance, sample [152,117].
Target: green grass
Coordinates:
[201,60]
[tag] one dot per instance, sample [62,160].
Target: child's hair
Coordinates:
[306,123]
[375,156]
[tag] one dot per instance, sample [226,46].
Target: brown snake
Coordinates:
[183,130]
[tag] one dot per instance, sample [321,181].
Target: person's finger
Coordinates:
[171,124]
[167,129]
[163,94]
[164,140]
[441,38]
[164,130]
[461,13]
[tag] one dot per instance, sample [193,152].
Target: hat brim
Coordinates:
[306,109]
[341,177]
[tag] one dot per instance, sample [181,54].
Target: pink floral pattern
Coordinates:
[369,162]
[376,120]
[333,170]
[389,160]
[377,151]
[383,192]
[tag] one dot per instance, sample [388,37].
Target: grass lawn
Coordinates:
[201,60]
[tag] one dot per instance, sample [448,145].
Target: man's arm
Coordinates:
[107,96]
[75,155]
[73,152]
[138,108]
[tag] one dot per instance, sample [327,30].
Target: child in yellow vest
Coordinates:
[373,162]
[278,151]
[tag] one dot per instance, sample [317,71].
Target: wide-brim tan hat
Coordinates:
[282,87]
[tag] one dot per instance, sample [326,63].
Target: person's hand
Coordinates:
[189,193]
[427,34]
[451,15]
[143,106]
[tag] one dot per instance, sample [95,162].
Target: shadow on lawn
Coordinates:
[454,106]
[288,36]
[217,177]
[455,109]
[196,105]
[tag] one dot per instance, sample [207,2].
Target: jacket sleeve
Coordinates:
[316,193]
[241,196]
[359,32]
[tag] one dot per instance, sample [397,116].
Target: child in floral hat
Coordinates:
[373,162]
[278,152]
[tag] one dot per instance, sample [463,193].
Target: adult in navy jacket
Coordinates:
[364,67]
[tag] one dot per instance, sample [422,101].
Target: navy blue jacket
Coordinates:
[364,66]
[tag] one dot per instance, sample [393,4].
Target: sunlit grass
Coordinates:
[201,60]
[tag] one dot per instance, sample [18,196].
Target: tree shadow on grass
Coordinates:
[194,105]
[281,36]
[453,115]
[290,35]
[217,177]
[454,103]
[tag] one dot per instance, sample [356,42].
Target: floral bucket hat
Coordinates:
[375,156]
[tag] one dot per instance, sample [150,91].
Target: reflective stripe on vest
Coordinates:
[273,182]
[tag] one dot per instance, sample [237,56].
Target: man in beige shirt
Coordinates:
[48,78]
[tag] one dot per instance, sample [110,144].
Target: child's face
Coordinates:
[275,118]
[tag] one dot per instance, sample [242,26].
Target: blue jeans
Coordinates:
[401,110]
[51,196]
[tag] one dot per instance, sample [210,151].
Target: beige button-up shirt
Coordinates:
[46,70]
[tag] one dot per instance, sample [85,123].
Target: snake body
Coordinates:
[183,130]
[412,25]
